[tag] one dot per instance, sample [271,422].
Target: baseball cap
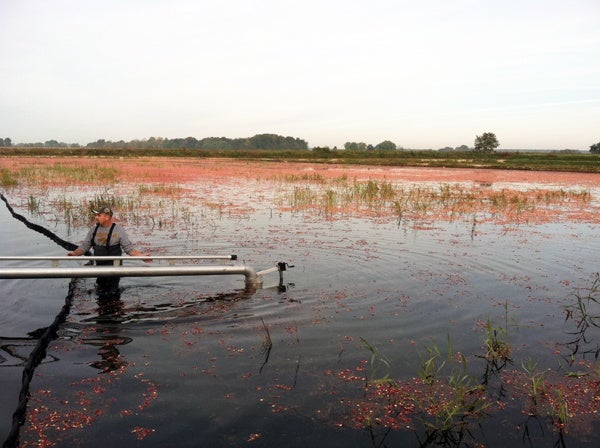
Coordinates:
[106,210]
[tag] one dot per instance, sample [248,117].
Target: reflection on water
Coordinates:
[110,309]
[203,361]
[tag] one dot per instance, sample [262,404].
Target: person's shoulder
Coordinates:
[118,226]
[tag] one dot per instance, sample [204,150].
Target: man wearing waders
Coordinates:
[107,238]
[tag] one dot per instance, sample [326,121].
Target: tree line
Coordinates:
[259,141]
[487,142]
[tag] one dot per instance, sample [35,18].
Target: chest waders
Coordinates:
[106,284]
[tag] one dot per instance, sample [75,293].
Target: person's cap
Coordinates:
[106,210]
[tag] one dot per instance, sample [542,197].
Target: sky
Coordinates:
[423,74]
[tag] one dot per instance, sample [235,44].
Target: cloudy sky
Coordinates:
[423,74]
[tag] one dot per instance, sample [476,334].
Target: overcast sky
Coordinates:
[423,74]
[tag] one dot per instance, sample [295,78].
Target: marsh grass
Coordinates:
[160,189]
[444,404]
[156,208]
[33,205]
[445,400]
[553,161]
[336,197]
[497,347]
[339,196]
[584,311]
[537,379]
[61,173]
[7,179]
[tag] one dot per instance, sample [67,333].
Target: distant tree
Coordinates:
[386,145]
[462,148]
[5,142]
[217,143]
[355,146]
[190,143]
[487,142]
[100,143]
[273,141]
[154,142]
[594,149]
[51,144]
[446,149]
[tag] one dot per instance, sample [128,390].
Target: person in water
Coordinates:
[107,238]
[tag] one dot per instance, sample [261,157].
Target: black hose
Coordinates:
[39,352]
[62,243]
[35,358]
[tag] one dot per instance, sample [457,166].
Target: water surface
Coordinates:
[186,361]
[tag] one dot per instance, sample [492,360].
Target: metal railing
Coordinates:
[253,278]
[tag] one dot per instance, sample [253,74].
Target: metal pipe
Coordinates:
[252,279]
[123,257]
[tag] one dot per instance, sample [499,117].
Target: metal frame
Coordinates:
[253,279]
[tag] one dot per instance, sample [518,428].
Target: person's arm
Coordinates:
[128,247]
[137,253]
[85,245]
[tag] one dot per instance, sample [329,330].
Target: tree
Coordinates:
[273,141]
[487,142]
[386,145]
[595,149]
[355,146]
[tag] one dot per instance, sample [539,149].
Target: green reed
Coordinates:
[46,174]
[537,379]
[451,201]
[446,403]
[7,179]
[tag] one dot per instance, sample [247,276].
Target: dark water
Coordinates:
[185,361]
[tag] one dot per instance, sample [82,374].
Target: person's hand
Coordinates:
[137,253]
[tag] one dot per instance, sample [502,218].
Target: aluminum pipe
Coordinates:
[252,279]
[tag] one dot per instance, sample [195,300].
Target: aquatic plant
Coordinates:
[497,348]
[442,403]
[33,204]
[380,367]
[7,179]
[585,312]
[447,201]
[537,379]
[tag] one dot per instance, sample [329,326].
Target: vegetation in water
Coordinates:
[446,404]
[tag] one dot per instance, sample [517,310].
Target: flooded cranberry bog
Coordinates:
[426,307]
